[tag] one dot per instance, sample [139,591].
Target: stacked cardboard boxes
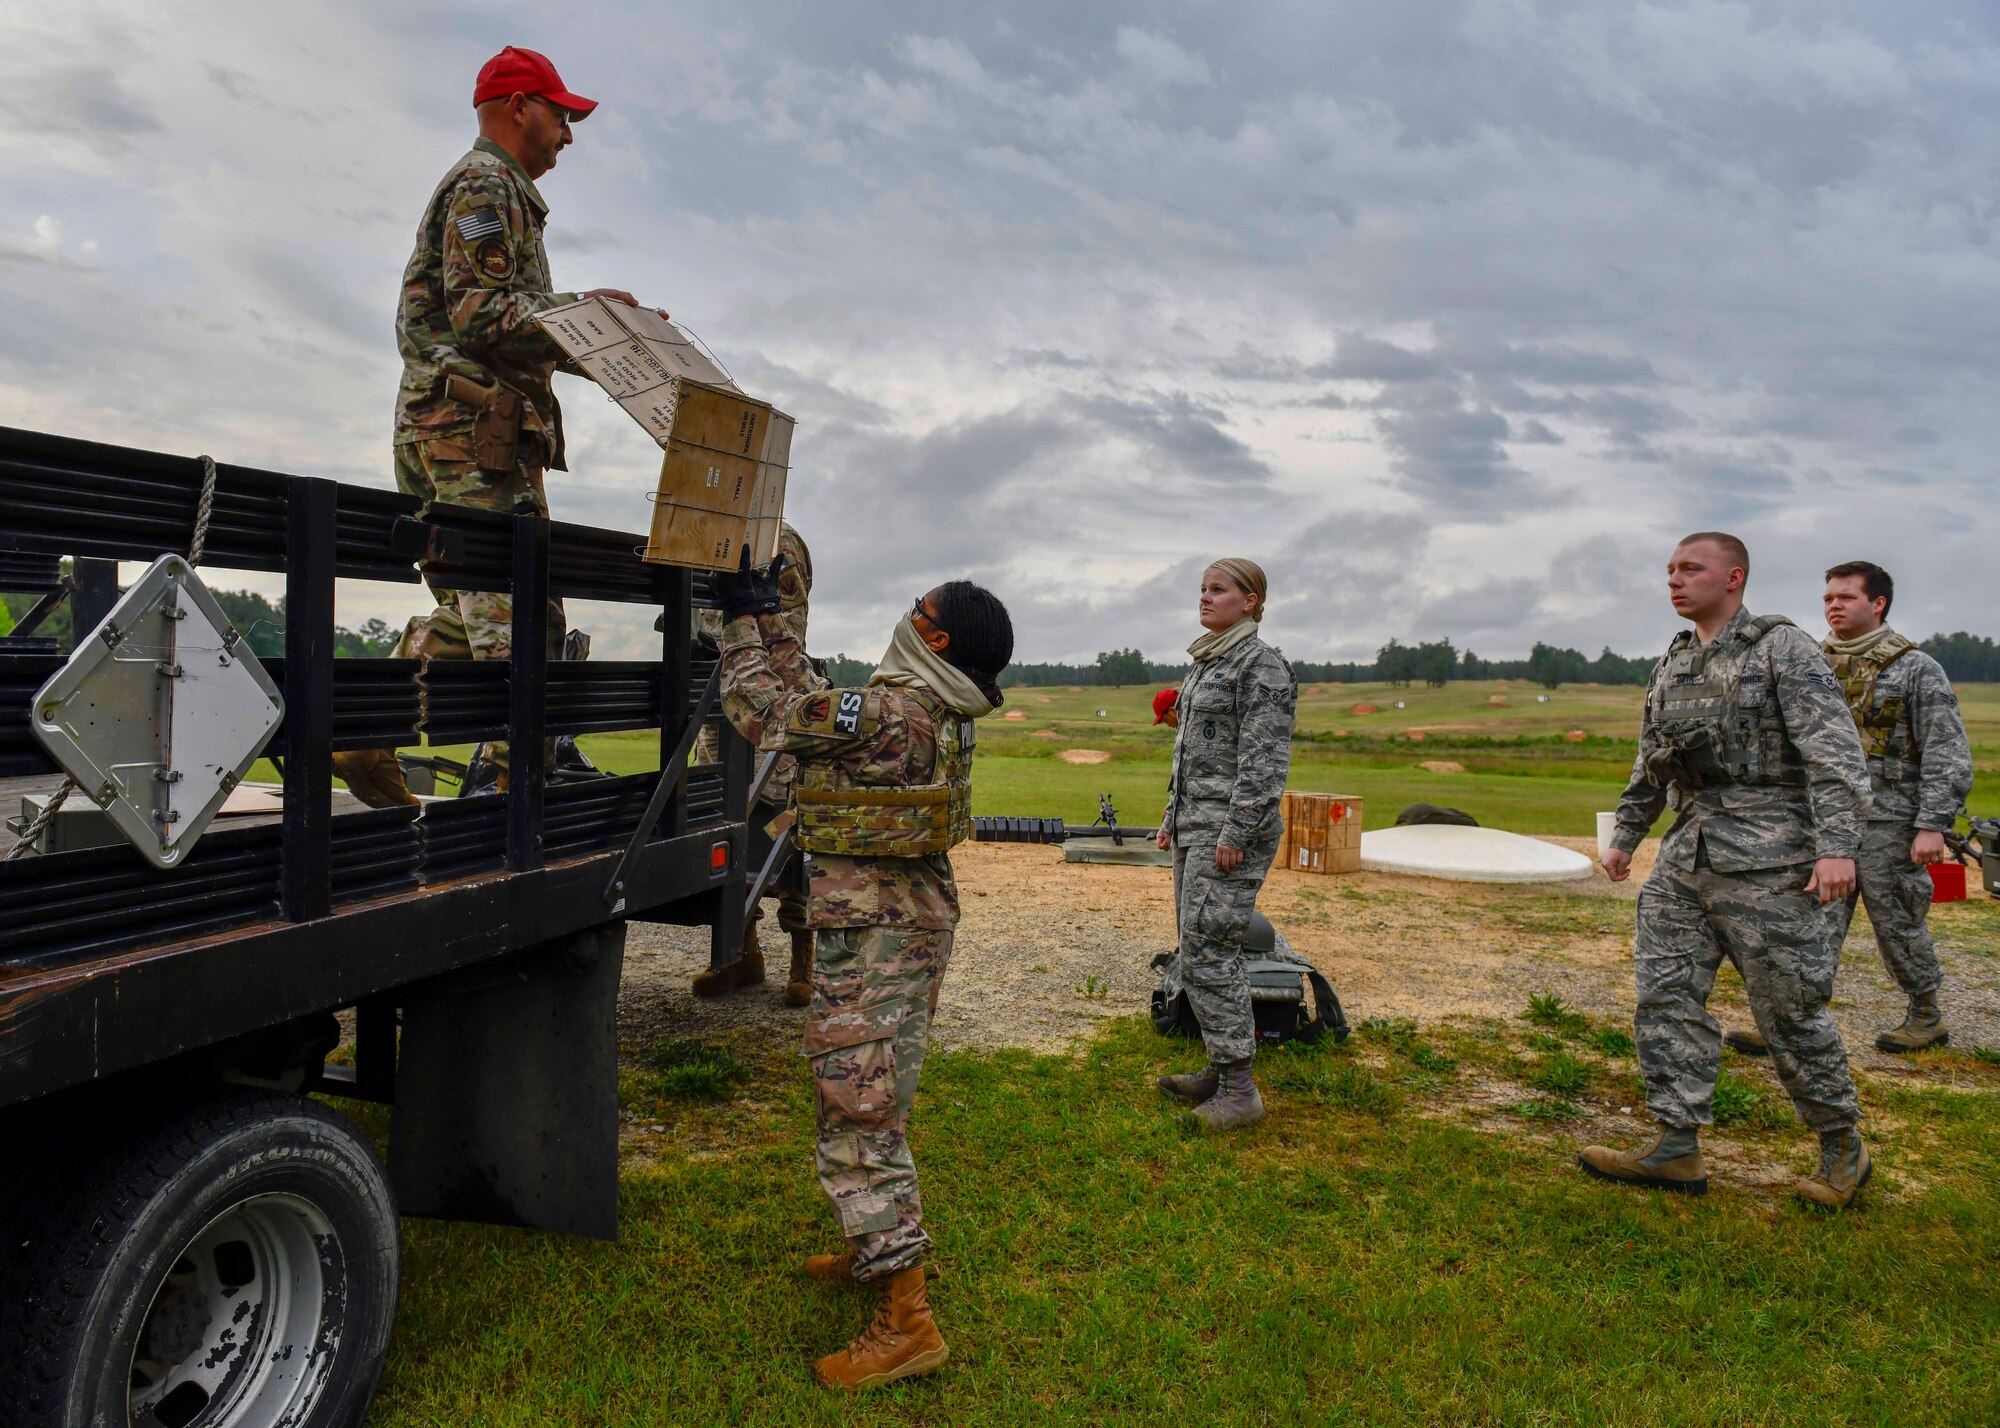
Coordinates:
[1322,833]
[722,484]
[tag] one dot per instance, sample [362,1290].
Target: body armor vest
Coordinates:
[1704,736]
[839,815]
[1857,675]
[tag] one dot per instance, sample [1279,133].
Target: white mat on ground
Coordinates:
[1473,855]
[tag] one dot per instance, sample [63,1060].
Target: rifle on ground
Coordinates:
[1054,830]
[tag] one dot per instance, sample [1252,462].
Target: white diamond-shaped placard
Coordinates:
[160,712]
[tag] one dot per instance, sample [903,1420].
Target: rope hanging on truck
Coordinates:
[203,510]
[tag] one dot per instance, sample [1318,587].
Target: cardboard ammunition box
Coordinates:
[1322,833]
[722,484]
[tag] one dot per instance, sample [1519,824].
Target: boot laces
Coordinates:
[880,1333]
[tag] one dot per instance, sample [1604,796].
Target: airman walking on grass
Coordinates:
[1745,734]
[883,791]
[1919,776]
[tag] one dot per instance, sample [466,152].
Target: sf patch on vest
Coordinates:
[840,815]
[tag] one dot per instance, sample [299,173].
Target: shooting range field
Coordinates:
[1405,1239]
[1517,769]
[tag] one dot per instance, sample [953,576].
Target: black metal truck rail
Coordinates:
[107,964]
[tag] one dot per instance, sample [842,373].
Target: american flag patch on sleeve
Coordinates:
[482,223]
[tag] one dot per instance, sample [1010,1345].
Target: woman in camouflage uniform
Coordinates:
[1231,754]
[882,792]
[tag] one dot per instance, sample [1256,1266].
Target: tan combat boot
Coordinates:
[1747,1043]
[799,983]
[1844,1167]
[746,971]
[832,1268]
[1924,1026]
[1672,1162]
[374,777]
[901,1342]
[1194,1087]
[1235,1102]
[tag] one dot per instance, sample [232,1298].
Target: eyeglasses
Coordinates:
[918,612]
[562,114]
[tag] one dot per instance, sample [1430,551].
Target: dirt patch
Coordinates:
[1013,714]
[1365,709]
[1045,734]
[1047,949]
[1085,756]
[1442,766]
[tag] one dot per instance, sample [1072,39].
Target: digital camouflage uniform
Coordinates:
[884,930]
[1232,752]
[1749,740]
[795,591]
[474,284]
[1919,776]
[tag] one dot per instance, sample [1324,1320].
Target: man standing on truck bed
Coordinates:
[476,417]
[883,791]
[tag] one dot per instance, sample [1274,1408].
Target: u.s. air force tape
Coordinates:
[847,718]
[480,223]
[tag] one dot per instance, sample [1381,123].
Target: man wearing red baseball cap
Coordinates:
[476,417]
[1167,708]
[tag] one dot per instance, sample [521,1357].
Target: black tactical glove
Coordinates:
[744,591]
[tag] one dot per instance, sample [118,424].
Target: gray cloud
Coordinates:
[1435,307]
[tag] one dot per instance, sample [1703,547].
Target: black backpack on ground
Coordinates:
[1279,981]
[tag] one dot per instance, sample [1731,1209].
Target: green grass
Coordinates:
[1520,771]
[1355,1259]
[694,1070]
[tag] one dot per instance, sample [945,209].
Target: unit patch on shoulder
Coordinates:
[480,223]
[845,713]
[791,588]
[493,260]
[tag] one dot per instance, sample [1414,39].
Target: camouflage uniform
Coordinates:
[884,937]
[1919,775]
[1231,754]
[795,589]
[474,284]
[1749,741]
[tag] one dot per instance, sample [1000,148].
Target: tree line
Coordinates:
[1966,658]
[261,623]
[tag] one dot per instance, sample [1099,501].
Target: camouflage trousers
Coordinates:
[468,624]
[1212,910]
[1897,891]
[875,990]
[1781,939]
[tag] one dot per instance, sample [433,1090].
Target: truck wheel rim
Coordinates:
[244,1327]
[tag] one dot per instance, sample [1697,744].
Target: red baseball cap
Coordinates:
[519,71]
[1162,702]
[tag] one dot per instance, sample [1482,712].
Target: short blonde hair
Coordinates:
[1247,576]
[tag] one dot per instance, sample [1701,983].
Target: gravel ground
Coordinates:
[1047,949]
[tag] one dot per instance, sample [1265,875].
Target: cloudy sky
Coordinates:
[1453,313]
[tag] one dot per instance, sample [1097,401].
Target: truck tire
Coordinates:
[235,1263]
